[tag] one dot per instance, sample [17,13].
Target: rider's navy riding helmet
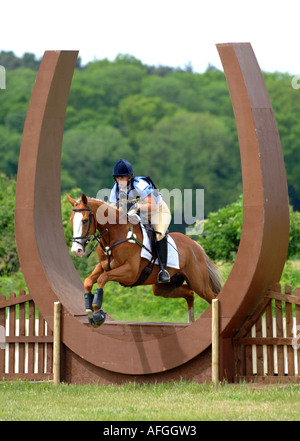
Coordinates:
[122,168]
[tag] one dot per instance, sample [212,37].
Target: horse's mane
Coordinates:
[100,201]
[90,199]
[96,200]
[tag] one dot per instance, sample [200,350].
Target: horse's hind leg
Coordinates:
[201,287]
[171,290]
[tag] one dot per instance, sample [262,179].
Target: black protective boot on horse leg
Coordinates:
[162,250]
[88,303]
[98,316]
[98,298]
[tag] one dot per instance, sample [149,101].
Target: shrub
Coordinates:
[222,232]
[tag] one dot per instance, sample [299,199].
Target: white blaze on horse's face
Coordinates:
[77,247]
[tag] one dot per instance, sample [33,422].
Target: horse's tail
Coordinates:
[214,273]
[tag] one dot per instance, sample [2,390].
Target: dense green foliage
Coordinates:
[222,232]
[9,261]
[220,239]
[174,125]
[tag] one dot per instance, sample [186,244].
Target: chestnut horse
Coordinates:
[119,242]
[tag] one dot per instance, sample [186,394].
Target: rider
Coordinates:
[139,194]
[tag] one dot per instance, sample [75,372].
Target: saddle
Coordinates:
[149,268]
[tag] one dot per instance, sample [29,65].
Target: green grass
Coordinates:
[139,304]
[291,273]
[180,401]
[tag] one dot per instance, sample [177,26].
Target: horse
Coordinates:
[119,239]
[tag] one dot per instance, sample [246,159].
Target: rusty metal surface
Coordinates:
[48,269]
[265,234]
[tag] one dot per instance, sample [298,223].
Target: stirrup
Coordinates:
[163,276]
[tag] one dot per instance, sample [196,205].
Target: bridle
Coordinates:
[96,235]
[131,237]
[88,236]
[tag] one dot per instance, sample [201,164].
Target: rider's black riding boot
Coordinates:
[162,249]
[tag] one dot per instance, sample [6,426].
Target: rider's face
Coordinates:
[122,181]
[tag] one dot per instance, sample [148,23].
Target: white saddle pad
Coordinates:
[173,256]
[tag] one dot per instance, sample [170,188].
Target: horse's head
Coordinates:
[83,222]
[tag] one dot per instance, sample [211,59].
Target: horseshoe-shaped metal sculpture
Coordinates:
[139,349]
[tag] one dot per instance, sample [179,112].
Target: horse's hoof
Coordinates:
[99,318]
[91,322]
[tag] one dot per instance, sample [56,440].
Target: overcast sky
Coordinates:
[158,32]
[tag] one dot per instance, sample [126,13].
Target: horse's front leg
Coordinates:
[92,279]
[121,274]
[88,286]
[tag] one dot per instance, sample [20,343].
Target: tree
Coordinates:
[11,62]
[192,151]
[140,103]
[286,105]
[206,92]
[138,113]
[223,229]
[222,232]
[294,239]
[88,157]
[114,81]
[9,150]
[9,261]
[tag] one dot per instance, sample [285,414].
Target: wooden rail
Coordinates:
[267,347]
[27,349]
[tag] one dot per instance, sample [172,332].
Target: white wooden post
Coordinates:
[56,343]
[215,341]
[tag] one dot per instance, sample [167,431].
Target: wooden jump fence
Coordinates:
[266,348]
[26,346]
